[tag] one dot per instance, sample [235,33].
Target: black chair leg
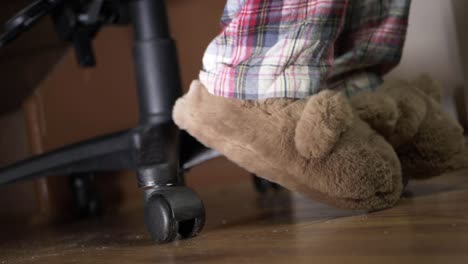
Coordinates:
[85,196]
[170,208]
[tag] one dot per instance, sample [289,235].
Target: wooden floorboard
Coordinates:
[429,225]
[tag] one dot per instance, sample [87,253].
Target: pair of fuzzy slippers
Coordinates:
[354,153]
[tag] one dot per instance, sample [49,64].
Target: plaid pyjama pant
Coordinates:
[295,48]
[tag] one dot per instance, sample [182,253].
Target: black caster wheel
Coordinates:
[85,195]
[173,211]
[405,180]
[263,185]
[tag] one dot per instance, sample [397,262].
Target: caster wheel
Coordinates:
[85,195]
[405,180]
[160,220]
[191,228]
[167,216]
[263,185]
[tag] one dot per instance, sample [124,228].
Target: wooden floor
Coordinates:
[429,225]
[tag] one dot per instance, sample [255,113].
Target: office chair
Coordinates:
[156,149]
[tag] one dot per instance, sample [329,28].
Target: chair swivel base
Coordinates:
[153,152]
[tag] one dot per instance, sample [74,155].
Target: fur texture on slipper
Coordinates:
[318,146]
[410,116]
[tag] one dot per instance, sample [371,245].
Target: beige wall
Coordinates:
[460,8]
[432,47]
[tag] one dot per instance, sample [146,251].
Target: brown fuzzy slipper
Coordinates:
[410,116]
[318,147]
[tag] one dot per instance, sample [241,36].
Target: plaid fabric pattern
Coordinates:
[295,48]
